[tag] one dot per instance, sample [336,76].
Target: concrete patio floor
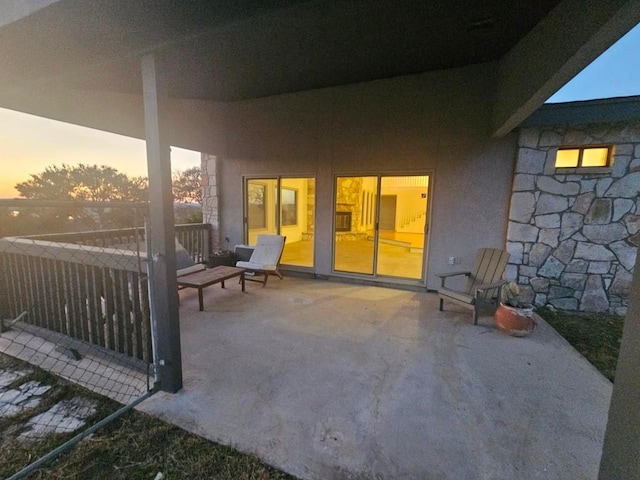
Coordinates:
[335,381]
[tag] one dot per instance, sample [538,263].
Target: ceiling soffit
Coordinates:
[234,50]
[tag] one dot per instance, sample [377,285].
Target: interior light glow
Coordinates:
[595,157]
[567,158]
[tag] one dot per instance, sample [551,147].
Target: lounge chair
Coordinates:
[265,259]
[483,282]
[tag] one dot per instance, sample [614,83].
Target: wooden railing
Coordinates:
[96,238]
[94,294]
[91,286]
[194,237]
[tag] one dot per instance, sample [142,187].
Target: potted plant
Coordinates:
[512,316]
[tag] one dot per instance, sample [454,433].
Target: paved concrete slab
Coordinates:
[333,381]
[64,417]
[25,397]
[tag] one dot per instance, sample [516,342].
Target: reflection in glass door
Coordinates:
[381,225]
[284,206]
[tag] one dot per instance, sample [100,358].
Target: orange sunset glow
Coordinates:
[29,144]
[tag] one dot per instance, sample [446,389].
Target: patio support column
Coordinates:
[163,253]
[620,453]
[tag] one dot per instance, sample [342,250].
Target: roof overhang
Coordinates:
[236,50]
[608,110]
[230,50]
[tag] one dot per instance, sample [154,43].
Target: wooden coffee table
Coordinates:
[210,276]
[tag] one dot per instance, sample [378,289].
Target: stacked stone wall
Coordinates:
[210,197]
[573,236]
[349,199]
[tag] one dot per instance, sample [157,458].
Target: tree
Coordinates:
[187,185]
[93,183]
[81,182]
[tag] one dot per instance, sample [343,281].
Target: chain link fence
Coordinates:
[76,306]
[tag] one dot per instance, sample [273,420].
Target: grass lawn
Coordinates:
[134,446]
[595,335]
[140,446]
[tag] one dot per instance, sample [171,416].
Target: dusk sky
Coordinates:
[615,73]
[29,144]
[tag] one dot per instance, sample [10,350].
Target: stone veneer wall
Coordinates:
[349,195]
[573,237]
[210,197]
[311,206]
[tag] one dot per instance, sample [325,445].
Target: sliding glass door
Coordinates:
[380,226]
[355,217]
[402,226]
[284,206]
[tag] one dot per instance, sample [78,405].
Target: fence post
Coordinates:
[164,310]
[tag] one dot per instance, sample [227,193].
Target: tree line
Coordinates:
[97,183]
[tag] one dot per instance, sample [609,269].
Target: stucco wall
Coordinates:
[434,123]
[573,237]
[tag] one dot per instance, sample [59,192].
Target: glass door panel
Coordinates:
[402,226]
[297,220]
[354,225]
[283,206]
[262,208]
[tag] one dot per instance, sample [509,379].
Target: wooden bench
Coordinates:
[210,276]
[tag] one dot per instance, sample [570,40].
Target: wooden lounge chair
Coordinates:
[265,259]
[483,282]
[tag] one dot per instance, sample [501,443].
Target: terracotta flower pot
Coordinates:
[517,322]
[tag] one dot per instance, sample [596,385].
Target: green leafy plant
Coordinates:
[510,295]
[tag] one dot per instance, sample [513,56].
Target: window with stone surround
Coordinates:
[593,156]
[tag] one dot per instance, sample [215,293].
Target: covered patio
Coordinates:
[327,380]
[302,373]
